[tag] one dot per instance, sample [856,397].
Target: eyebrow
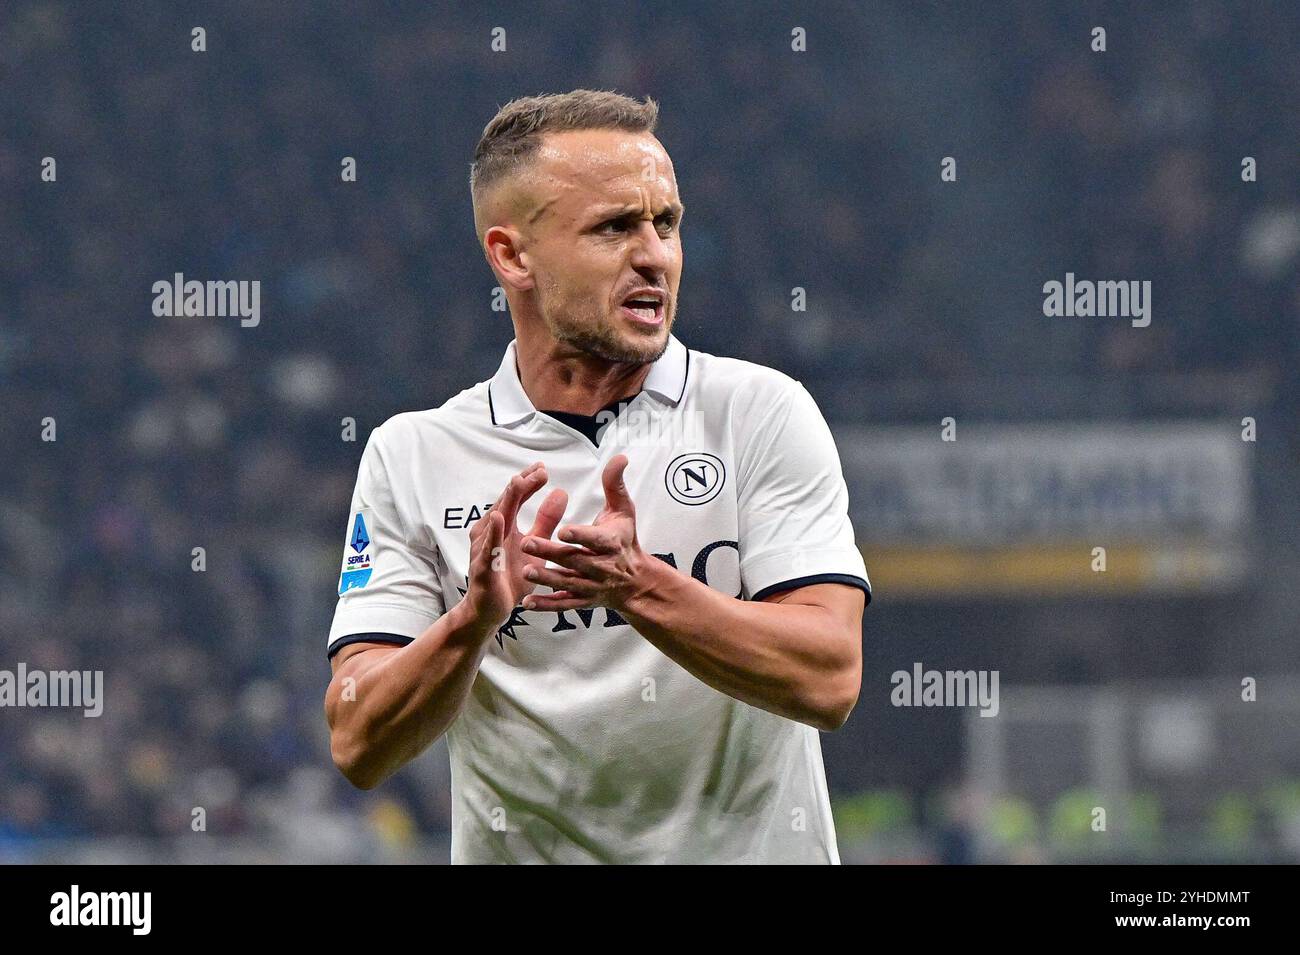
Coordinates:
[623,211]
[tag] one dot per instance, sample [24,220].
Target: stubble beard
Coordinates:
[601,340]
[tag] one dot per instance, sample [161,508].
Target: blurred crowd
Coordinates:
[816,170]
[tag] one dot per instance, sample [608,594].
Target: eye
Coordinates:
[613,225]
[667,221]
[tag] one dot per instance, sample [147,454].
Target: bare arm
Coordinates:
[386,704]
[798,653]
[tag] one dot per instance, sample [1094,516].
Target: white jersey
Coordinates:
[581,741]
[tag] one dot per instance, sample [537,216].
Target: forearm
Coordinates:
[401,701]
[792,659]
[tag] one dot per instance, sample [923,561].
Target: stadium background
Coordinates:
[817,170]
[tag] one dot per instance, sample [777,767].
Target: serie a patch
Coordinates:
[358,556]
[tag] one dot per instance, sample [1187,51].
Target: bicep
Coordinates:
[845,604]
[346,662]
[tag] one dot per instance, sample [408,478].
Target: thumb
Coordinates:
[490,540]
[617,497]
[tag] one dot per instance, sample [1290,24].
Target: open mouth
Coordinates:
[646,309]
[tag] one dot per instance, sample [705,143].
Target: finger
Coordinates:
[477,528]
[524,473]
[562,578]
[617,497]
[520,488]
[562,600]
[598,540]
[490,540]
[533,483]
[572,557]
[558,578]
[550,514]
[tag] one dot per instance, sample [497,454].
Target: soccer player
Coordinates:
[634,666]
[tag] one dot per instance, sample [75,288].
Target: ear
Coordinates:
[503,247]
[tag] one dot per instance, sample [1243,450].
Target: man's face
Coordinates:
[602,240]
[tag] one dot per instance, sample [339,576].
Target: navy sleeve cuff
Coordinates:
[850,579]
[342,642]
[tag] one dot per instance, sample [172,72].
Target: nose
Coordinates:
[652,254]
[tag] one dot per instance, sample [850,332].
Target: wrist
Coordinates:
[651,577]
[472,620]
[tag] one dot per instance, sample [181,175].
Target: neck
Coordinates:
[559,377]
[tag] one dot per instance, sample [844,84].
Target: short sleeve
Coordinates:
[388,585]
[793,503]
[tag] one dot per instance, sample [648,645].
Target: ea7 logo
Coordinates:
[695,477]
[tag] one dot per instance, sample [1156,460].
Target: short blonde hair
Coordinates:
[513,136]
